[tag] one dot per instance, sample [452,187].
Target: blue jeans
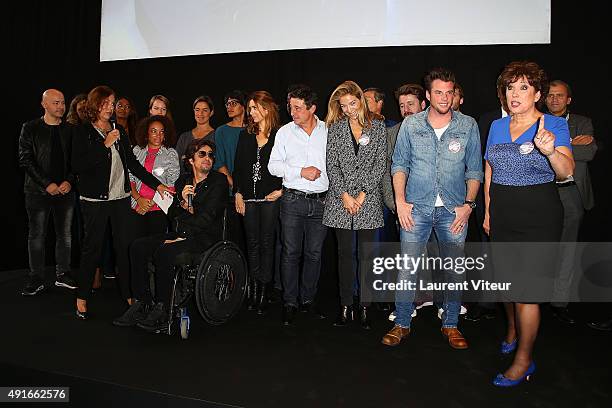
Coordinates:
[301,225]
[414,243]
[39,207]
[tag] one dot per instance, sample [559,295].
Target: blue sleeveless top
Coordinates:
[520,163]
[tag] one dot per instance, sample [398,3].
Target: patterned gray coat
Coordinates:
[352,173]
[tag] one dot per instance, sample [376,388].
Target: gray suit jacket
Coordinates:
[581,125]
[352,173]
[387,182]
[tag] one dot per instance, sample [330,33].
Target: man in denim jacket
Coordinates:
[437,170]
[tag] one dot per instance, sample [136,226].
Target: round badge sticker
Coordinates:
[526,148]
[364,140]
[454,146]
[158,171]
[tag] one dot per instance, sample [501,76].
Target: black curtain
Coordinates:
[56,44]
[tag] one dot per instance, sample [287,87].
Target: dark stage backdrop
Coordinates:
[56,44]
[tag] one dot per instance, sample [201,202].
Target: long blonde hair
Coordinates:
[334,112]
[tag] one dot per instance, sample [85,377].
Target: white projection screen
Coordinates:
[134,29]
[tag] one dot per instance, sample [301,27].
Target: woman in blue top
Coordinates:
[525,153]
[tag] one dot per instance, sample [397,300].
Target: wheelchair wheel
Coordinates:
[221,283]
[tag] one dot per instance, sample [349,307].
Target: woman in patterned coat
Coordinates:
[356,148]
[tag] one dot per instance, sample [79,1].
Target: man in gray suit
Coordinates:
[576,193]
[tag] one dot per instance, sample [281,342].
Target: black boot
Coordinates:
[157,319]
[262,300]
[289,312]
[345,316]
[364,320]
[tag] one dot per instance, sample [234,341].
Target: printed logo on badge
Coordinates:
[158,171]
[454,146]
[364,140]
[526,148]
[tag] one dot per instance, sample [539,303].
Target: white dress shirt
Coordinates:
[293,150]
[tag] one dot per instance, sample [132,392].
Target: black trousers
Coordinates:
[39,208]
[163,256]
[260,220]
[96,214]
[346,277]
[151,223]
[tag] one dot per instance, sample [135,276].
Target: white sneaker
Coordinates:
[392,315]
[462,311]
[420,305]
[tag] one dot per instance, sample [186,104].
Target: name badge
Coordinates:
[526,148]
[364,140]
[454,146]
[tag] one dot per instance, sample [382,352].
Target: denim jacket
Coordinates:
[437,167]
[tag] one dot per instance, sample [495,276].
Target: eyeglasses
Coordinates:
[122,106]
[231,103]
[203,153]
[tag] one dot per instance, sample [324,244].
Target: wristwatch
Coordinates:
[472,204]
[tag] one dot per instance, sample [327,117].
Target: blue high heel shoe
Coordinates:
[507,348]
[501,381]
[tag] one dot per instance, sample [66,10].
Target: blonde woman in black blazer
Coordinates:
[356,149]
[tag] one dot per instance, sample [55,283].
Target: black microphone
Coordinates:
[189,200]
[113,122]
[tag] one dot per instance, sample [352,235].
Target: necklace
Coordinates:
[101,130]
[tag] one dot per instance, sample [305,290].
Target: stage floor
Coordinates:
[255,362]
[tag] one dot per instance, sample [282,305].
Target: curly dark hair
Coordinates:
[516,70]
[193,147]
[142,130]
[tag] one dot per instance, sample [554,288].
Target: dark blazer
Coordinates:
[35,154]
[581,125]
[352,173]
[91,162]
[387,182]
[246,157]
[205,225]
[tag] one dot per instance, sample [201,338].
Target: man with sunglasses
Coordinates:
[197,219]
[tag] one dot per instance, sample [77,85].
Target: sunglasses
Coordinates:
[202,154]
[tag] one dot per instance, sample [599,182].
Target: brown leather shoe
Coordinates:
[455,338]
[395,336]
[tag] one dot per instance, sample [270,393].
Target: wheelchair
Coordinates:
[216,278]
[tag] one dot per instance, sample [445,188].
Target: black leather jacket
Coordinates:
[209,202]
[35,154]
[91,161]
